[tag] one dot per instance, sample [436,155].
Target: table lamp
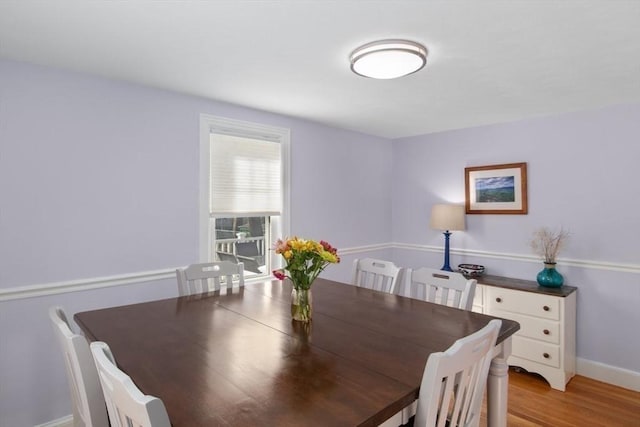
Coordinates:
[447,217]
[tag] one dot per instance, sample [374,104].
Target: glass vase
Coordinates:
[549,276]
[301,304]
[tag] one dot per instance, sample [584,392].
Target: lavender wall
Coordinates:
[340,186]
[582,175]
[100,178]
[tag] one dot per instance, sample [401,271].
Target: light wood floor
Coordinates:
[586,402]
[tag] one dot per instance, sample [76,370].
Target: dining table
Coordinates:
[235,357]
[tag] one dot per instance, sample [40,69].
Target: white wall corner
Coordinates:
[609,374]
[66,421]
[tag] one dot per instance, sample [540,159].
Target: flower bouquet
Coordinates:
[304,261]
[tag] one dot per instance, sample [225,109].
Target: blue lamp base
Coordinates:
[446,266]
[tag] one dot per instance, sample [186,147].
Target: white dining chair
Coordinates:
[441,287]
[87,400]
[375,274]
[454,381]
[126,404]
[199,278]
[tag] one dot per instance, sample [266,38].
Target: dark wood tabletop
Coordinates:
[238,359]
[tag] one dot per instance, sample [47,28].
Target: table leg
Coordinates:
[498,386]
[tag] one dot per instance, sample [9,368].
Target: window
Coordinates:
[244,192]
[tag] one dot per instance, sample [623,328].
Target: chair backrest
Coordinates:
[440,287]
[453,382]
[375,274]
[126,405]
[247,249]
[227,256]
[87,401]
[249,254]
[250,263]
[199,278]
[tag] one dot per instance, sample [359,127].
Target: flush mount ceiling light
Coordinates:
[388,59]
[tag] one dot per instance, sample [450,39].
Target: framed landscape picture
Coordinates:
[496,189]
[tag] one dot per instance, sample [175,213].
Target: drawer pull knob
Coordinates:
[546,355]
[546,308]
[498,299]
[546,332]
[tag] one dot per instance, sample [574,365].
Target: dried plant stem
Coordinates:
[547,243]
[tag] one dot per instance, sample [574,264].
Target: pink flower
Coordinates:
[281,246]
[327,247]
[279,274]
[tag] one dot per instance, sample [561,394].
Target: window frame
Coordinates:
[209,124]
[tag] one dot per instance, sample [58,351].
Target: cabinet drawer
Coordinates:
[537,305]
[478,296]
[533,327]
[478,300]
[536,351]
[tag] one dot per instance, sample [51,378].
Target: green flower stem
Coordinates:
[301,305]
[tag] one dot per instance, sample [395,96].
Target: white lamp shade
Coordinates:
[447,217]
[388,59]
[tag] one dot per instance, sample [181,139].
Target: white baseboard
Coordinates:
[608,374]
[60,422]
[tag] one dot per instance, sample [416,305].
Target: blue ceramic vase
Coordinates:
[549,277]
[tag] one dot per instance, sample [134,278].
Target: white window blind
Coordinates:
[245,176]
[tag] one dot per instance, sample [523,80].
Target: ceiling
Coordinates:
[489,61]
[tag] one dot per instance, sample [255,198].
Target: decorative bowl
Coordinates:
[471,271]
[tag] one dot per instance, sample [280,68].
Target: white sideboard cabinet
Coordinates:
[546,341]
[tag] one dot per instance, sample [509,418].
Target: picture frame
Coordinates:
[496,189]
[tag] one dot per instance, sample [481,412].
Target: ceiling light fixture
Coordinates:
[388,59]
